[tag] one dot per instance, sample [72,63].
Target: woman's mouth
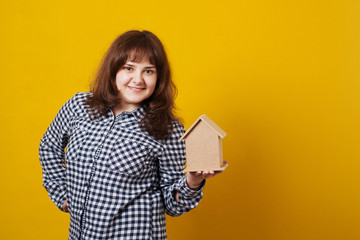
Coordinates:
[136,89]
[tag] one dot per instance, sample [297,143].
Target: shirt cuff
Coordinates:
[188,193]
[61,201]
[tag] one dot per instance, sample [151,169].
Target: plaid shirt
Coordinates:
[118,181]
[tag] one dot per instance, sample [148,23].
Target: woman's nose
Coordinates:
[137,77]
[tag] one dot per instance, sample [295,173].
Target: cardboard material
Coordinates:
[203,141]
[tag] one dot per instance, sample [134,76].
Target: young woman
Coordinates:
[123,164]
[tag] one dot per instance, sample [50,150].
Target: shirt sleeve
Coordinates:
[52,155]
[172,177]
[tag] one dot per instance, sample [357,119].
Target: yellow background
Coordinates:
[280,77]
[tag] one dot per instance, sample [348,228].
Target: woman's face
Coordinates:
[136,82]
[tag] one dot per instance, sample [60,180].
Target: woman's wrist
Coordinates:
[193,184]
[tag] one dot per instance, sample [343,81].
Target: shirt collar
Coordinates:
[138,113]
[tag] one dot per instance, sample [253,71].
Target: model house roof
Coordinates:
[209,122]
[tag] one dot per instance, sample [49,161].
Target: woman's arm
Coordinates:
[179,198]
[52,155]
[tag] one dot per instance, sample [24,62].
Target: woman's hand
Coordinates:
[65,206]
[194,179]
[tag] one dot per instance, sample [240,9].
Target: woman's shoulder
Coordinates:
[178,126]
[80,97]
[77,103]
[177,130]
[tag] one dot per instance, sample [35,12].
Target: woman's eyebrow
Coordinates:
[133,65]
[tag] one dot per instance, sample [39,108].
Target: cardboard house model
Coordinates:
[203,141]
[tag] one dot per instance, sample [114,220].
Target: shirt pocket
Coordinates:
[78,136]
[130,158]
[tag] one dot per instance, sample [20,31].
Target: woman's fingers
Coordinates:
[65,206]
[209,174]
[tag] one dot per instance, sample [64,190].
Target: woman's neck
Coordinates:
[120,108]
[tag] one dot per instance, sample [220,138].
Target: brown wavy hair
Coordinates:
[134,45]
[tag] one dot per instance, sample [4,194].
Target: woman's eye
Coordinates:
[128,68]
[149,71]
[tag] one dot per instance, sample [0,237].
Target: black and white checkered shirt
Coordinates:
[118,180]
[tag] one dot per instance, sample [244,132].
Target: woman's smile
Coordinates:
[136,89]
